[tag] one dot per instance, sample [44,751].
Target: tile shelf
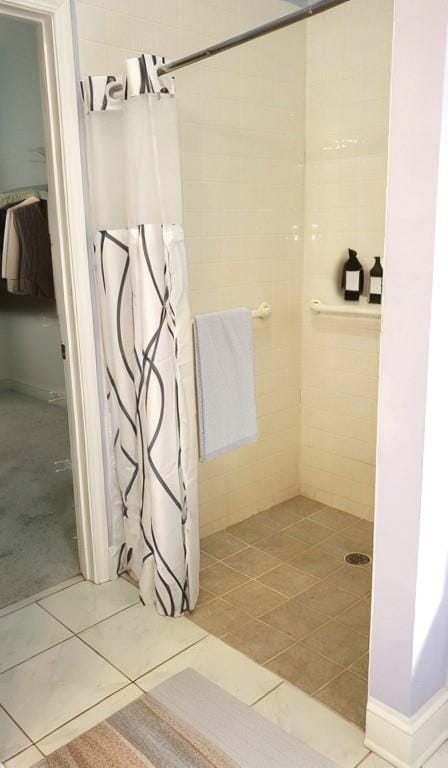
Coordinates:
[360,310]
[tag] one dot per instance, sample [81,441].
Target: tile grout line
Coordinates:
[268,693]
[33,599]
[59,642]
[358,599]
[18,726]
[179,653]
[130,683]
[21,752]
[83,712]
[39,653]
[95,624]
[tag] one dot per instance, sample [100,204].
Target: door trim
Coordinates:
[72,274]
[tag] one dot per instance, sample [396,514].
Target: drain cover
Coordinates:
[357,558]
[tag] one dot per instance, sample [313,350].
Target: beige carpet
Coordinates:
[186,722]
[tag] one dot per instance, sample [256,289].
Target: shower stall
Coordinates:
[283,160]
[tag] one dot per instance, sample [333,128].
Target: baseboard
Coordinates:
[39,393]
[407,742]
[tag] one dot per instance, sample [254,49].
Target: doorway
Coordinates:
[52,505]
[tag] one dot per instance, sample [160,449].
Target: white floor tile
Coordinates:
[138,639]
[27,632]
[25,759]
[44,692]
[373,761]
[319,727]
[12,740]
[439,759]
[220,663]
[39,595]
[89,719]
[85,604]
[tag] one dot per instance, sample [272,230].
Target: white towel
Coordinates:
[225,381]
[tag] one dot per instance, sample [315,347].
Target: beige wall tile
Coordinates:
[251,233]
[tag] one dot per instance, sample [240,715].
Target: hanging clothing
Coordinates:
[11,247]
[142,283]
[26,253]
[35,274]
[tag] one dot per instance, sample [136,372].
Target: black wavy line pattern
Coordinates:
[150,421]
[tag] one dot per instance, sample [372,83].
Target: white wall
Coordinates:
[21,126]
[347,100]
[31,339]
[409,643]
[242,143]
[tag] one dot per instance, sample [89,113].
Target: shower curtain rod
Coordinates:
[252,34]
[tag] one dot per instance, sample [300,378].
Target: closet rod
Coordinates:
[265,29]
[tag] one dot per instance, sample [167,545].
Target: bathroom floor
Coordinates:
[80,652]
[38,547]
[276,587]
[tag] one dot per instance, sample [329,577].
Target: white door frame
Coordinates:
[72,274]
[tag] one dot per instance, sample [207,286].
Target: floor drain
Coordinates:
[357,558]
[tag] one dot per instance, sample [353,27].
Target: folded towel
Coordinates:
[225,381]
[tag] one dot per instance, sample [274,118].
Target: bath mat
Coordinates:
[186,722]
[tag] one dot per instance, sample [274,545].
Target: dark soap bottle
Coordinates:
[352,277]
[376,282]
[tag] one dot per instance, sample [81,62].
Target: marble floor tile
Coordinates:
[304,668]
[252,562]
[282,546]
[25,759]
[85,604]
[220,579]
[316,725]
[374,761]
[287,580]
[12,739]
[254,598]
[295,619]
[259,641]
[338,643]
[40,595]
[347,694]
[218,617]
[138,639]
[221,544]
[27,632]
[221,664]
[326,599]
[316,562]
[44,692]
[89,719]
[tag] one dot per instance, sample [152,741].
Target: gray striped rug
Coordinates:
[186,722]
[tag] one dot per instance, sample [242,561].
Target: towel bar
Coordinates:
[363,310]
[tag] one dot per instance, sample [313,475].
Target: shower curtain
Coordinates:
[142,289]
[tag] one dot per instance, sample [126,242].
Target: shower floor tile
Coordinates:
[300,610]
